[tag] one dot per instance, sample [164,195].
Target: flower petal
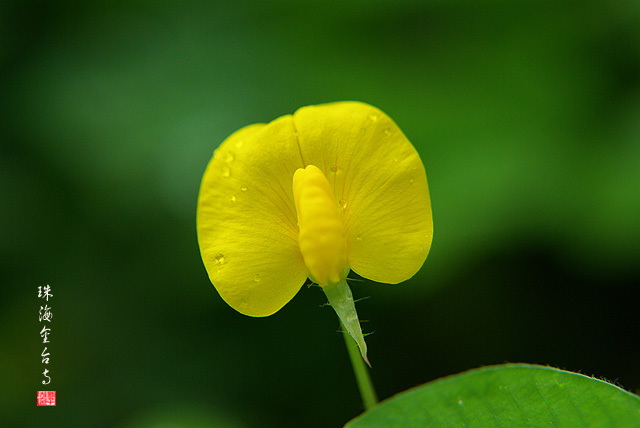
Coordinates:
[379,181]
[246,218]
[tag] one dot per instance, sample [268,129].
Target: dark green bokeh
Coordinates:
[527,117]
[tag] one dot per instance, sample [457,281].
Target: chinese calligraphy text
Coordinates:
[45,315]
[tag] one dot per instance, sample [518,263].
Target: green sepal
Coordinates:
[341,299]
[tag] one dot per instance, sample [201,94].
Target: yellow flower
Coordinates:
[331,188]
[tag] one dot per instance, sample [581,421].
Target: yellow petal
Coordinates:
[246,218]
[379,181]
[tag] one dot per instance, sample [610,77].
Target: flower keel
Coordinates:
[322,239]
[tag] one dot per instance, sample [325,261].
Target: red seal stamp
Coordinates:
[46,398]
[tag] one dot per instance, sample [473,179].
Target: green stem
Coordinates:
[368,394]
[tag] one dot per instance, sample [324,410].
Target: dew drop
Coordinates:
[373,117]
[411,180]
[233,198]
[363,130]
[219,259]
[343,204]
[359,237]
[239,144]
[395,159]
[387,131]
[243,188]
[460,403]
[229,157]
[257,278]
[226,172]
[334,168]
[216,154]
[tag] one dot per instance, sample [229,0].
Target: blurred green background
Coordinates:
[527,118]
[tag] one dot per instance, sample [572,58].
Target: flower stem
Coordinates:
[368,394]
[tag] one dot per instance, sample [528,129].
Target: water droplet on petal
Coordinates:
[239,144]
[411,180]
[359,237]
[216,154]
[387,131]
[373,117]
[343,204]
[395,159]
[233,198]
[334,168]
[257,278]
[226,172]
[229,157]
[243,188]
[219,259]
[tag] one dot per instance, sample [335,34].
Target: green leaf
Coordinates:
[511,395]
